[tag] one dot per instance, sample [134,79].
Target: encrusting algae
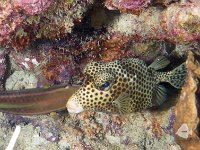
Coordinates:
[125,86]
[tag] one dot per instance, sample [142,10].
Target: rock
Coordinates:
[133,6]
[24,21]
[186,110]
[173,23]
[21,80]
[2,65]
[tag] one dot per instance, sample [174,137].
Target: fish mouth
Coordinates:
[73,106]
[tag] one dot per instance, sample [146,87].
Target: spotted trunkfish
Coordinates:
[125,86]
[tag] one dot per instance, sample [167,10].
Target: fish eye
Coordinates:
[105,86]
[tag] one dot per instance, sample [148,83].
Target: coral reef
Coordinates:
[39,22]
[108,47]
[27,80]
[90,130]
[38,132]
[49,64]
[2,64]
[22,21]
[148,50]
[133,6]
[49,127]
[30,60]
[165,2]
[32,7]
[176,23]
[47,42]
[59,67]
[10,19]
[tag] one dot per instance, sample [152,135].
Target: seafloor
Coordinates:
[47,42]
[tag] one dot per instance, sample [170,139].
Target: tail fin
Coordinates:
[176,77]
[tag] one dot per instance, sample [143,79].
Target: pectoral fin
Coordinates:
[159,95]
[123,103]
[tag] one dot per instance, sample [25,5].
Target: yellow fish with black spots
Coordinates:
[125,86]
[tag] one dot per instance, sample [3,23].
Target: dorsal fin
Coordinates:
[159,63]
[159,95]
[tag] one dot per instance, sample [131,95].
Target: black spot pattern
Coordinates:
[130,76]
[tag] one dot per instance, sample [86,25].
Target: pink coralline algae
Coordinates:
[182,23]
[11,16]
[107,47]
[32,7]
[2,64]
[59,69]
[127,5]
[28,61]
[10,19]
[48,62]
[176,23]
[59,19]
[24,21]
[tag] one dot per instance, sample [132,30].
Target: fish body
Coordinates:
[124,86]
[36,101]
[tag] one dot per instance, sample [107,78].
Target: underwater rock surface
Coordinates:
[22,21]
[2,65]
[51,42]
[90,130]
[21,80]
[133,6]
[176,23]
[188,120]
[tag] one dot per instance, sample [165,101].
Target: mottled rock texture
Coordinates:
[22,21]
[93,131]
[47,42]
[186,110]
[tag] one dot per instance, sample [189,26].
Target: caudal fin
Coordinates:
[177,76]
